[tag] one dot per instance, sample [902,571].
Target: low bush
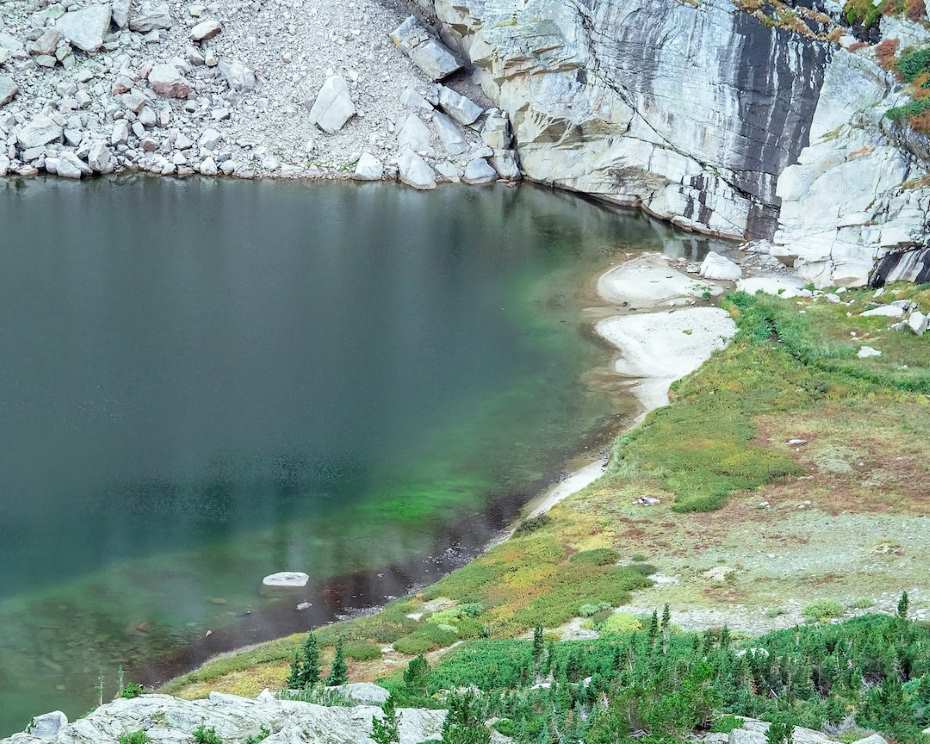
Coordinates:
[824,609]
[362,651]
[204,735]
[135,737]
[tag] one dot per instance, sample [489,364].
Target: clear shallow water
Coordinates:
[205,382]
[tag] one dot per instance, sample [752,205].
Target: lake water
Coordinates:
[204,382]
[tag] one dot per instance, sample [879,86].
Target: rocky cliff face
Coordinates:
[704,115]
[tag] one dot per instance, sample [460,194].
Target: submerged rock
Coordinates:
[286,579]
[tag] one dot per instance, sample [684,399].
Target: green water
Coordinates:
[206,382]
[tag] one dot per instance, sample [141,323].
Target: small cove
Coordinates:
[208,381]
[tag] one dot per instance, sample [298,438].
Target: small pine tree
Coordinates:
[666,618]
[339,672]
[310,671]
[537,643]
[780,730]
[416,675]
[296,674]
[465,722]
[385,730]
[903,605]
[653,628]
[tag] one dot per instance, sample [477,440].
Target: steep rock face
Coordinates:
[690,111]
[859,191]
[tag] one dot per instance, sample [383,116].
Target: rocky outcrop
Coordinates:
[170,720]
[689,110]
[856,194]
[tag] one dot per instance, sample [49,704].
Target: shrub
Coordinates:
[339,672]
[416,675]
[131,690]
[204,735]
[531,525]
[384,730]
[596,557]
[621,622]
[362,651]
[824,609]
[413,645]
[725,724]
[862,12]
[885,52]
[913,62]
[134,737]
[589,610]
[263,734]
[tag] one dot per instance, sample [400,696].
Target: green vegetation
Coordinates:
[864,12]
[135,737]
[263,734]
[824,609]
[204,735]
[339,672]
[384,730]
[875,668]
[131,690]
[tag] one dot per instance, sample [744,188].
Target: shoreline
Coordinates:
[515,511]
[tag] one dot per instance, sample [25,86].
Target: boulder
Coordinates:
[71,166]
[100,158]
[120,132]
[781,285]
[462,109]
[720,268]
[8,89]
[867,352]
[119,12]
[209,139]
[150,16]
[40,131]
[237,75]
[479,172]
[744,736]
[885,311]
[496,131]
[873,739]
[208,167]
[167,80]
[85,28]
[426,51]
[46,44]
[451,137]
[205,30]
[368,168]
[918,322]
[506,165]
[363,693]
[48,725]
[414,135]
[415,171]
[333,106]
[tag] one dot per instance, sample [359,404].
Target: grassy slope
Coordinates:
[839,517]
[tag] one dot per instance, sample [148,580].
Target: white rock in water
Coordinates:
[333,106]
[918,322]
[167,80]
[415,135]
[426,51]
[286,579]
[415,171]
[867,352]
[150,16]
[885,311]
[364,693]
[462,109]
[368,168]
[40,131]
[206,30]
[237,75]
[85,28]
[720,268]
[479,172]
[8,89]
[48,725]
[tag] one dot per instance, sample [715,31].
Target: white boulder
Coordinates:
[415,171]
[100,158]
[8,89]
[40,131]
[286,580]
[479,172]
[462,109]
[867,352]
[237,75]
[205,30]
[426,51]
[333,106]
[368,168]
[720,268]
[150,16]
[166,80]
[918,322]
[85,28]
[415,135]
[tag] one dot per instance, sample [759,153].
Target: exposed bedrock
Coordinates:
[690,111]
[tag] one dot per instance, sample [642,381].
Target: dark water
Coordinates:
[205,382]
